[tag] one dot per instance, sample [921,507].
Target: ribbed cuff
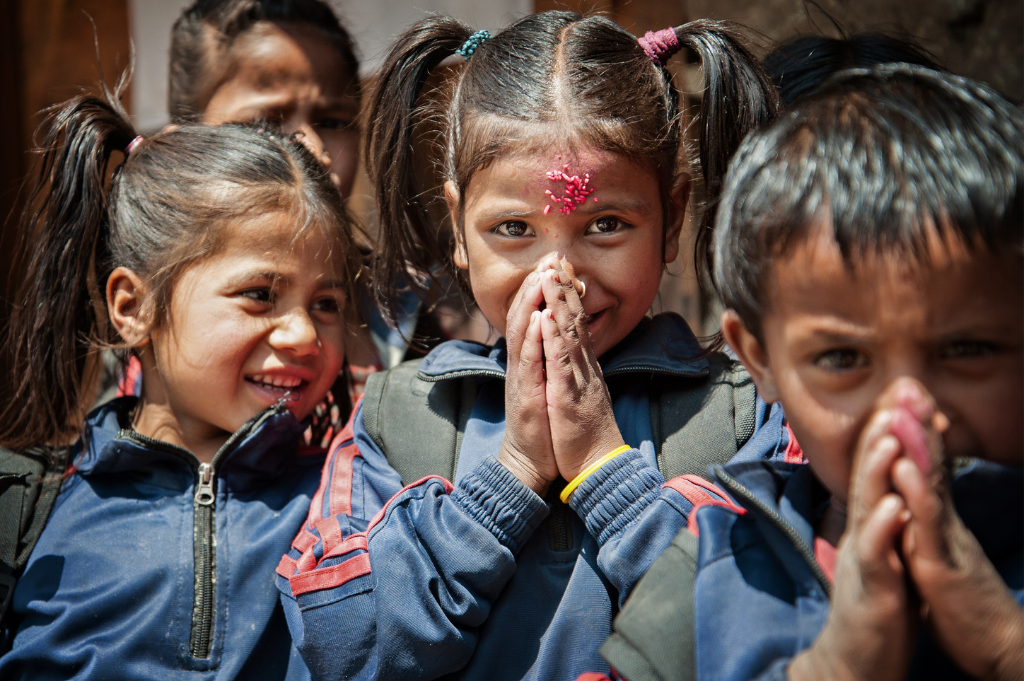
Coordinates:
[499,501]
[616,494]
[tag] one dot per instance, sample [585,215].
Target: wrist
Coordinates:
[521,467]
[595,454]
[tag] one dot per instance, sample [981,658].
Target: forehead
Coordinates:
[526,176]
[275,57]
[275,237]
[945,283]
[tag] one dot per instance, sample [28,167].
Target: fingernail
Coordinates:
[534,316]
[549,314]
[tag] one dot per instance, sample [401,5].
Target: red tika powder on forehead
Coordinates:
[577,189]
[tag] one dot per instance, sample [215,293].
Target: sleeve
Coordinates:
[403,594]
[634,513]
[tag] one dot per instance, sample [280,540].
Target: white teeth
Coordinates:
[276,381]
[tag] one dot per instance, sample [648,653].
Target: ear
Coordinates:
[125,295]
[451,197]
[678,198]
[751,353]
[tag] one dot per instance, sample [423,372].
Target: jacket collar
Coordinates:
[265,448]
[785,500]
[663,344]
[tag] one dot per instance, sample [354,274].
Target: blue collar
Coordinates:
[663,344]
[265,451]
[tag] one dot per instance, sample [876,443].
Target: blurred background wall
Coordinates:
[49,49]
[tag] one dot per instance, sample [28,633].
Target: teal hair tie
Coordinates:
[474,41]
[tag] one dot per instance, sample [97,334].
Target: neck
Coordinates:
[157,420]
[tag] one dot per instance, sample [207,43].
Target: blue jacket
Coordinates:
[474,579]
[110,591]
[761,597]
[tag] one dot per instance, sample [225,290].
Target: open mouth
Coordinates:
[286,387]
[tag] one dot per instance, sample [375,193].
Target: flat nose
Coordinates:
[296,332]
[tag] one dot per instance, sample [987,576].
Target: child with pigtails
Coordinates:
[222,259]
[487,510]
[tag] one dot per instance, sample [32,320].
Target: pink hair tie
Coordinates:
[660,45]
[131,145]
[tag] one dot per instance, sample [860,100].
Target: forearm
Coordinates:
[438,560]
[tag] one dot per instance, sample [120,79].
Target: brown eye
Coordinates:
[841,360]
[513,228]
[606,225]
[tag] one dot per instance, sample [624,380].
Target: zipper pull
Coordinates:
[204,486]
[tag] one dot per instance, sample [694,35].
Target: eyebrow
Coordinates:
[278,278]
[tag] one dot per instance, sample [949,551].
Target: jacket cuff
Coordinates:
[499,501]
[616,494]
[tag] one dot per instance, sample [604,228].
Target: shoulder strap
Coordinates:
[29,484]
[701,422]
[418,424]
[653,637]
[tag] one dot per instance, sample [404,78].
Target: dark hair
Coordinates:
[876,155]
[549,76]
[204,33]
[161,211]
[801,64]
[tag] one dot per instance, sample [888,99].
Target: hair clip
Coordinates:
[131,145]
[660,45]
[474,41]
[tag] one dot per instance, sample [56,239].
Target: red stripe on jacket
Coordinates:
[306,575]
[698,491]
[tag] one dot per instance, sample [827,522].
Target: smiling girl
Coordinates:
[221,258]
[566,195]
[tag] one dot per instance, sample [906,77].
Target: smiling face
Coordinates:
[293,76]
[617,245]
[259,320]
[834,338]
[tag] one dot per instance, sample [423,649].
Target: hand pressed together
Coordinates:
[558,410]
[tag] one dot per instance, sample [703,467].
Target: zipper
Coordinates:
[776,519]
[204,535]
[559,520]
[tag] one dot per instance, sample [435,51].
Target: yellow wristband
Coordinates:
[578,480]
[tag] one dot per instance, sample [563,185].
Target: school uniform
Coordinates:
[153,566]
[476,578]
[761,592]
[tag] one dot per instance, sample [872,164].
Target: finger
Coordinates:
[527,300]
[877,542]
[556,354]
[929,513]
[567,312]
[870,476]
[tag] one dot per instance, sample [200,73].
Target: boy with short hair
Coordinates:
[869,252]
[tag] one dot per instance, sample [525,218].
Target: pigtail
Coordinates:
[409,243]
[60,311]
[738,98]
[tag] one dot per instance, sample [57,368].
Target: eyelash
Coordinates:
[968,349]
[265,296]
[620,225]
[842,359]
[526,229]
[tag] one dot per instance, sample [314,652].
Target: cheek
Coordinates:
[343,148]
[988,423]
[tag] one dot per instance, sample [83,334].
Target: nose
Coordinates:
[296,333]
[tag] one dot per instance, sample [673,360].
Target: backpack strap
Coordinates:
[654,637]
[417,423]
[29,484]
[702,421]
